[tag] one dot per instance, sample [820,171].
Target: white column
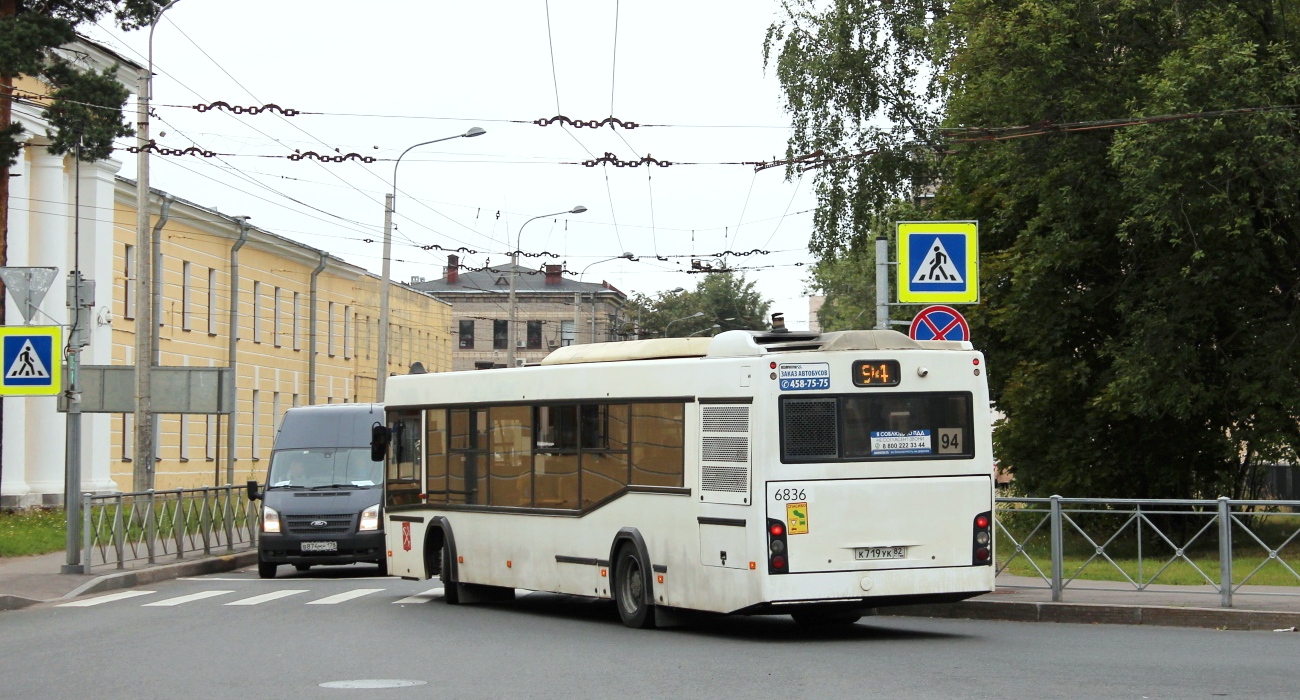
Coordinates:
[13,483]
[97,189]
[48,240]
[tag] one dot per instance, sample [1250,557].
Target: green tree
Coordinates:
[1140,301]
[722,298]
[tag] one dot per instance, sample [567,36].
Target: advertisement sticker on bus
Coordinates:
[804,376]
[893,442]
[796,518]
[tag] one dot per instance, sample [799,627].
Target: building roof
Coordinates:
[496,280]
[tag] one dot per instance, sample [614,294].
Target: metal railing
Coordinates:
[1150,543]
[153,527]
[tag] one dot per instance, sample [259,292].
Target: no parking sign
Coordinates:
[939,323]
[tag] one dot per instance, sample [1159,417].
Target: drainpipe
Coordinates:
[163,211]
[233,331]
[311,333]
[577,326]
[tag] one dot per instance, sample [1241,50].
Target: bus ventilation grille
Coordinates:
[724,453]
[810,428]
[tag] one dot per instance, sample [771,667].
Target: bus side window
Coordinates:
[658,444]
[435,445]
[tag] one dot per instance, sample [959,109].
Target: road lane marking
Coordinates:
[421,597]
[341,597]
[265,597]
[103,599]
[181,600]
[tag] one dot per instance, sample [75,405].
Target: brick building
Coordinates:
[550,311]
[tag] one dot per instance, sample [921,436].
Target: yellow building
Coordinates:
[274,340]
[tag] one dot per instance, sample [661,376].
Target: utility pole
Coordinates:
[882,283]
[80,301]
[143,452]
[381,371]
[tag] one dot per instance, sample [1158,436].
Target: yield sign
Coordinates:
[939,323]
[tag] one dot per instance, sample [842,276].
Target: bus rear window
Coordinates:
[865,427]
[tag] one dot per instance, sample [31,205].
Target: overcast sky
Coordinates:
[388,74]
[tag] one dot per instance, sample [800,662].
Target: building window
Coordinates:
[275,316]
[347,332]
[467,335]
[128,437]
[212,301]
[329,329]
[567,335]
[209,438]
[293,331]
[181,437]
[534,335]
[500,335]
[185,296]
[257,312]
[128,285]
[253,442]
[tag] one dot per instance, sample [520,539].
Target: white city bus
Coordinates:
[816,475]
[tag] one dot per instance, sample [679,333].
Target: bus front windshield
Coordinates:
[323,468]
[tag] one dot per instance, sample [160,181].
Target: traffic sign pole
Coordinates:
[882,283]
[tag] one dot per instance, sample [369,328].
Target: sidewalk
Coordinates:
[30,580]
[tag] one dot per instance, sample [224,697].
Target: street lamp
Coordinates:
[514,265]
[624,256]
[381,373]
[714,327]
[697,314]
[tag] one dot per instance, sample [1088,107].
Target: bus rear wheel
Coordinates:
[630,594]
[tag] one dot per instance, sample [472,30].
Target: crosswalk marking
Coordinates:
[341,597]
[103,599]
[421,597]
[181,600]
[268,597]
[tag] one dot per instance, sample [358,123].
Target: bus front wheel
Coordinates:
[450,592]
[630,592]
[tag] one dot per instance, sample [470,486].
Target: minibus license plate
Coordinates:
[880,552]
[329,547]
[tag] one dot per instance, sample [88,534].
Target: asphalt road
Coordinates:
[285,637]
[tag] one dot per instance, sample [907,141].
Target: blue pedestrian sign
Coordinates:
[938,262]
[30,360]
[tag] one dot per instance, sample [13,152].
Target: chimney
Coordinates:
[453,268]
[553,275]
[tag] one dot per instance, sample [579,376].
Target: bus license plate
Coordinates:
[880,553]
[329,547]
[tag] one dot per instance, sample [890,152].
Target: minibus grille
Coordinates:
[334,524]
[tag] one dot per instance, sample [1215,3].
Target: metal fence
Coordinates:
[1072,542]
[155,527]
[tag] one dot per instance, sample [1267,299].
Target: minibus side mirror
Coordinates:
[253,493]
[379,437]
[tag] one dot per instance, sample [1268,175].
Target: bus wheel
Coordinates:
[450,592]
[630,593]
[821,618]
[265,569]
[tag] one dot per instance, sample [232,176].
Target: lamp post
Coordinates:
[697,314]
[714,327]
[381,372]
[514,264]
[624,256]
[144,260]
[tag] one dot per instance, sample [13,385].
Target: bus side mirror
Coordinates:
[253,493]
[379,437]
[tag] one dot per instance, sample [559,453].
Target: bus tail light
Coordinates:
[982,540]
[776,548]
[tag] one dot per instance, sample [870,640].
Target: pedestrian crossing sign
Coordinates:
[938,262]
[31,360]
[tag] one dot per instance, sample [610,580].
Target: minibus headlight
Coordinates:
[370,519]
[270,519]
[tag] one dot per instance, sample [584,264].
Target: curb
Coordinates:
[144,577]
[14,602]
[1096,614]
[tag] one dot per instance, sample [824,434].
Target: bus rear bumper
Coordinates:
[873,589]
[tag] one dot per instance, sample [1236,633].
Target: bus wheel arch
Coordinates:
[440,542]
[628,553]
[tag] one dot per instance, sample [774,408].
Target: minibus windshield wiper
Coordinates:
[286,486]
[334,486]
